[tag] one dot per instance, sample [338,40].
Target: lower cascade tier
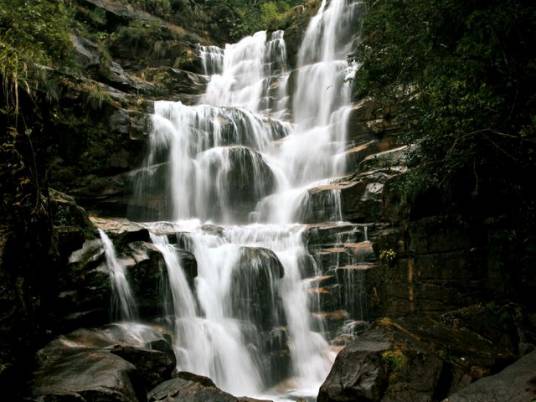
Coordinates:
[259,309]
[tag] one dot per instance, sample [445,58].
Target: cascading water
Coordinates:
[244,160]
[123,304]
[209,346]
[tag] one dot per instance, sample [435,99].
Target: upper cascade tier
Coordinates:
[293,124]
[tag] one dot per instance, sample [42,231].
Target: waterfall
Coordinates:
[123,304]
[241,168]
[208,346]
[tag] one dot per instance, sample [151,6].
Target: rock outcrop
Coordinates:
[109,364]
[188,387]
[424,359]
[516,383]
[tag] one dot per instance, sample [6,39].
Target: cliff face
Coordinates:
[438,275]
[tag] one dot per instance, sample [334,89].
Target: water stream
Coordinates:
[123,303]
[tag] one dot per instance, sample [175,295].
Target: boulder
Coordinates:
[187,387]
[115,363]
[154,366]
[84,283]
[240,177]
[424,358]
[84,376]
[516,383]
[254,294]
[360,373]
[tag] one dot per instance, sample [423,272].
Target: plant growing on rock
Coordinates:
[388,257]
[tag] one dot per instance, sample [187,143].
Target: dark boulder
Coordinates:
[255,291]
[359,373]
[424,359]
[243,178]
[187,387]
[154,366]
[516,383]
[115,363]
[87,376]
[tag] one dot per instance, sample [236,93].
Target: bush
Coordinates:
[459,73]
[34,36]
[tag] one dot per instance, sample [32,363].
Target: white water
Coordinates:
[246,158]
[123,304]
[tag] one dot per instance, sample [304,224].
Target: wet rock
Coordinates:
[275,357]
[422,358]
[345,254]
[84,283]
[243,179]
[187,387]
[189,265]
[254,294]
[516,383]
[154,366]
[295,26]
[361,196]
[81,376]
[357,198]
[149,197]
[442,263]
[116,363]
[359,372]
[369,120]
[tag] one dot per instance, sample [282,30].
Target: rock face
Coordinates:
[424,359]
[361,194]
[109,364]
[359,372]
[516,383]
[84,282]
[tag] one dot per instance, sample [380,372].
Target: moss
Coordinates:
[396,360]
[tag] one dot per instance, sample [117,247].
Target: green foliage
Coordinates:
[257,15]
[34,36]
[95,95]
[162,8]
[395,360]
[461,76]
